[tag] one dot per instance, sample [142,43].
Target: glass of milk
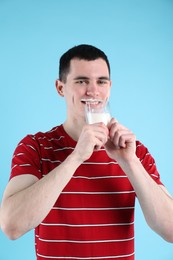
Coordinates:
[97,112]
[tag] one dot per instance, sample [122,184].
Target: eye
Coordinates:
[81,82]
[102,82]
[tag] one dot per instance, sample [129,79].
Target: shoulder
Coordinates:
[144,155]
[41,137]
[141,150]
[35,143]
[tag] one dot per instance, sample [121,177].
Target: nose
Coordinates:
[92,89]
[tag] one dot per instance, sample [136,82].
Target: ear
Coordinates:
[59,87]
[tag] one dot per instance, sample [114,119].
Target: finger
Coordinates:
[98,144]
[111,122]
[100,126]
[114,120]
[100,130]
[121,137]
[96,135]
[125,139]
[118,139]
[101,137]
[115,127]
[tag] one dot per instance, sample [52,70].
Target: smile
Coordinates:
[91,101]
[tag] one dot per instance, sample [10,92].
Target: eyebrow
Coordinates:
[80,77]
[84,77]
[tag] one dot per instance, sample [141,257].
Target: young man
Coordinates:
[76,184]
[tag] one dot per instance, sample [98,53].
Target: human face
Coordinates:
[87,80]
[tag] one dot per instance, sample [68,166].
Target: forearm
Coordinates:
[26,209]
[156,205]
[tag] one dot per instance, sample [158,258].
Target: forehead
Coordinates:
[93,69]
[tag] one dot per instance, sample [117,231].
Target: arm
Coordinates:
[156,203]
[27,200]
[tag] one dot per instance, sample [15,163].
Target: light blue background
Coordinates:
[136,35]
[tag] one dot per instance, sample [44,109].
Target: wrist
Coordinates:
[76,158]
[68,167]
[129,164]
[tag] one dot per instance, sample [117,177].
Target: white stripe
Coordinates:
[21,165]
[28,145]
[120,208]
[46,147]
[85,241]
[86,258]
[64,148]
[147,154]
[154,176]
[56,150]
[42,137]
[53,130]
[20,144]
[31,147]
[99,177]
[97,192]
[56,139]
[48,160]
[18,154]
[151,164]
[50,139]
[86,225]
[101,163]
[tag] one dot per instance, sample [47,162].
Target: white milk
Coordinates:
[98,117]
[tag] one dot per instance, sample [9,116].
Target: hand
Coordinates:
[92,137]
[121,144]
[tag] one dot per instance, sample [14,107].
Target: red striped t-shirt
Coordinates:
[93,218]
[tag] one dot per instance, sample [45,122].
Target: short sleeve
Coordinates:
[148,162]
[26,158]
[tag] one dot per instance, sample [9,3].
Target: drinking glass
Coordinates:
[96,112]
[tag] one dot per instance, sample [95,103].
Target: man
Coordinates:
[76,184]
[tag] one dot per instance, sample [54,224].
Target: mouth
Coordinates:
[91,101]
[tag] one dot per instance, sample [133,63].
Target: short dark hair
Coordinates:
[81,52]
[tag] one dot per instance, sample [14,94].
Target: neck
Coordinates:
[73,128]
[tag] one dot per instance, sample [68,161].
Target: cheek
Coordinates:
[74,95]
[106,92]
[73,100]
